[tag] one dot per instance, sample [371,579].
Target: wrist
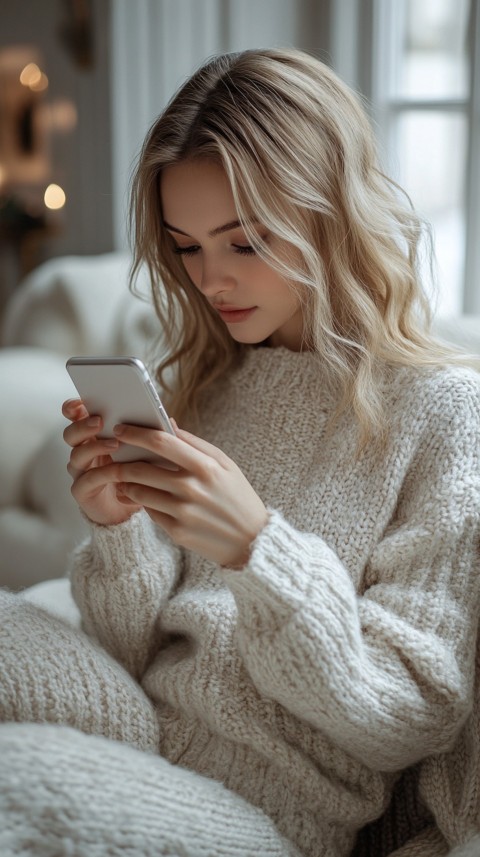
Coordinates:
[243,557]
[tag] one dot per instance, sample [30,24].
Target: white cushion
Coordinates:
[33,385]
[69,304]
[137,329]
[56,597]
[32,549]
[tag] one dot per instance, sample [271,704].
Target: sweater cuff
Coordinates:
[279,577]
[125,545]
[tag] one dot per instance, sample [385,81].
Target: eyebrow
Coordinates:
[233,224]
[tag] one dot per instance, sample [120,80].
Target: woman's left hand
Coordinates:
[207,505]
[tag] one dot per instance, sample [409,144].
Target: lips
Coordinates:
[232,315]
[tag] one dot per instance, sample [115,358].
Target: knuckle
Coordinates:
[209,469]
[223,460]
[77,458]
[184,512]
[187,514]
[158,441]
[190,488]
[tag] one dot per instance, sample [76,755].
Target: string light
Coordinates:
[40,84]
[31,75]
[34,78]
[54,197]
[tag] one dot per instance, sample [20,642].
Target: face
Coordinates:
[253,300]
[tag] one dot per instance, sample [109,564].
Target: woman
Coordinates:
[287,620]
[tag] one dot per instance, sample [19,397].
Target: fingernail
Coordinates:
[118,430]
[93,421]
[110,442]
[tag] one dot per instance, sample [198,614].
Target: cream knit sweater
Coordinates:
[344,650]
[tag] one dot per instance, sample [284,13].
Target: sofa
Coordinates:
[67,306]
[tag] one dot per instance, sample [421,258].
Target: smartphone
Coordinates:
[120,390]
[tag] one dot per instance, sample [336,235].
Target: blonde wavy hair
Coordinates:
[299,152]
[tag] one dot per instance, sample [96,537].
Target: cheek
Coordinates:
[279,292]
[192,266]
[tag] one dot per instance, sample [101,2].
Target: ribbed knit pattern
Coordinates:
[344,651]
[65,794]
[50,672]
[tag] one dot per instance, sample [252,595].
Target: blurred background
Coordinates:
[81,81]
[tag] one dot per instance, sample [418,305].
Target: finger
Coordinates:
[156,476]
[90,482]
[98,462]
[74,409]
[160,506]
[81,430]
[198,442]
[184,449]
[166,522]
[143,495]
[84,455]
[202,445]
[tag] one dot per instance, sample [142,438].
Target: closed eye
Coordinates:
[244,250]
[186,251]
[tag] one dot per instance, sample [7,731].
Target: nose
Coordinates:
[215,278]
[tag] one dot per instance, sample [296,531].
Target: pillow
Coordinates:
[68,305]
[32,549]
[33,385]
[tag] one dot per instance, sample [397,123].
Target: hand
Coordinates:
[90,454]
[207,505]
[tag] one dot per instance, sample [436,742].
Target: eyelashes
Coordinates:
[246,250]
[185,251]
[243,250]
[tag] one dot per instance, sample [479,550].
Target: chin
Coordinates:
[250,339]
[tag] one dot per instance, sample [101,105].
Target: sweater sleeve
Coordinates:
[120,578]
[388,674]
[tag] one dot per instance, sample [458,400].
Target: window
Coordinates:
[426,98]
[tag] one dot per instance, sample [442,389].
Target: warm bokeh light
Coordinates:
[54,197]
[40,84]
[3,175]
[62,115]
[31,75]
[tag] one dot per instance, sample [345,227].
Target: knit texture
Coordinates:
[101,798]
[51,673]
[343,652]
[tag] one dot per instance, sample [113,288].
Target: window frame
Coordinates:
[373,64]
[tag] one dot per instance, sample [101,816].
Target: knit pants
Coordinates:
[80,775]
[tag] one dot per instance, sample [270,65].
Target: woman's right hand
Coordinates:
[99,503]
